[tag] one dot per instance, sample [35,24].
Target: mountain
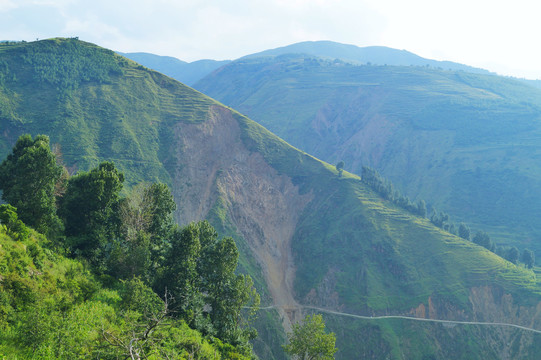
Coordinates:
[190,73]
[187,73]
[466,143]
[376,55]
[309,237]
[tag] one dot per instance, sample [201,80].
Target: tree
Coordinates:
[464,231]
[512,254]
[200,273]
[88,209]
[309,341]
[439,219]
[528,258]
[27,178]
[340,168]
[145,222]
[482,238]
[421,208]
[14,227]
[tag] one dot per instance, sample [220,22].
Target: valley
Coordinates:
[313,241]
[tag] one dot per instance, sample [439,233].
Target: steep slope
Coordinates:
[187,73]
[308,236]
[466,143]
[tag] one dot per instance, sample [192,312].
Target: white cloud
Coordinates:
[7,5]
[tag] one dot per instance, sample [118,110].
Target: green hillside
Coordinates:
[53,307]
[466,143]
[350,250]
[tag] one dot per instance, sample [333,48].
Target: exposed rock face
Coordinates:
[263,205]
[491,304]
[488,304]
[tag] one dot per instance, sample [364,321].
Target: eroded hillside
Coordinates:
[467,144]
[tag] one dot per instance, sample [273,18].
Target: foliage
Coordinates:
[127,242]
[340,168]
[88,209]
[145,222]
[27,178]
[482,238]
[200,273]
[13,226]
[464,231]
[53,308]
[386,189]
[66,67]
[528,258]
[309,341]
[512,254]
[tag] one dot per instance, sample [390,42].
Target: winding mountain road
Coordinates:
[452,322]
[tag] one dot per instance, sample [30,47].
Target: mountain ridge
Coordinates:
[190,73]
[347,248]
[377,55]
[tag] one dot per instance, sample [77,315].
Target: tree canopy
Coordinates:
[309,341]
[27,178]
[142,271]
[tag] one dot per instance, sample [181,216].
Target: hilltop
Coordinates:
[306,235]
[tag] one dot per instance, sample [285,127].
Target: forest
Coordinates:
[89,268]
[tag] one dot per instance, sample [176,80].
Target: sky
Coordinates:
[500,36]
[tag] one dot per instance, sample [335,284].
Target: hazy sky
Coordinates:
[501,36]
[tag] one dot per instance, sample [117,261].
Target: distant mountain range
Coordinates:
[190,73]
[376,55]
[187,73]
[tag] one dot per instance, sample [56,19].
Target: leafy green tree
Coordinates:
[482,238]
[421,208]
[340,168]
[200,273]
[528,258]
[309,341]
[512,254]
[227,292]
[15,227]
[440,219]
[88,209]
[145,222]
[464,231]
[180,274]
[27,178]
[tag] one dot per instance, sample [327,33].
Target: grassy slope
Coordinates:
[386,261]
[467,143]
[349,227]
[383,260]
